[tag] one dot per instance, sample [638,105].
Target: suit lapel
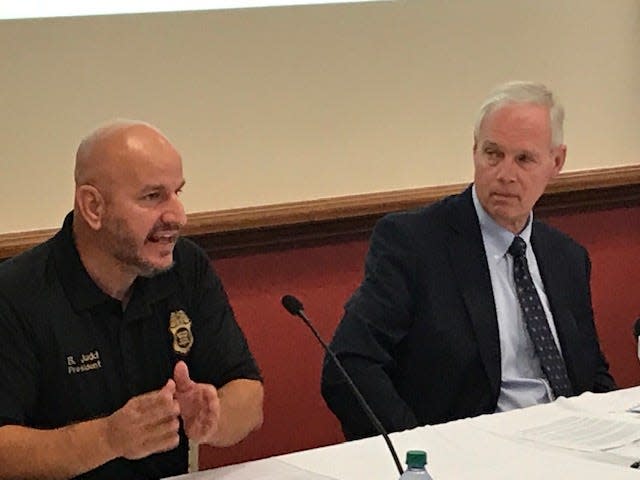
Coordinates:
[469,261]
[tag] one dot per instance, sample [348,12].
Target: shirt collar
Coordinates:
[82,291]
[498,239]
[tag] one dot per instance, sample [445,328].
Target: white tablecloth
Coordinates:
[491,446]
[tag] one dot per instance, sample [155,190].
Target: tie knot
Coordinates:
[518,247]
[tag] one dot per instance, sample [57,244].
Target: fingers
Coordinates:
[161,406]
[169,387]
[181,377]
[150,423]
[201,413]
[146,424]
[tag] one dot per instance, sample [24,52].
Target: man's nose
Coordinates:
[507,169]
[175,212]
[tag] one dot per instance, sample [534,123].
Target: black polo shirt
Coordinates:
[68,352]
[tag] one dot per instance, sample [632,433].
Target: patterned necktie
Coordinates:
[550,359]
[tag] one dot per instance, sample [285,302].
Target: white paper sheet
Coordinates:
[589,434]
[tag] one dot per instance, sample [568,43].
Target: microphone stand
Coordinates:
[294,307]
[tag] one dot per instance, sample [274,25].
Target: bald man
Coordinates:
[117,341]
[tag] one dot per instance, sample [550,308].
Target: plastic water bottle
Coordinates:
[416,461]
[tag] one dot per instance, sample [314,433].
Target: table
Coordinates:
[498,446]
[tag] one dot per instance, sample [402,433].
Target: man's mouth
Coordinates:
[504,195]
[163,237]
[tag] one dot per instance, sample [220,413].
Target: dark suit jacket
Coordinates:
[420,334]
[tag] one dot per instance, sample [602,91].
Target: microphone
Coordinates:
[295,308]
[636,332]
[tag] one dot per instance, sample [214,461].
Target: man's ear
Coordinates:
[559,156]
[91,205]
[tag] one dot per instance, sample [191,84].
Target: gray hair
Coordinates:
[524,92]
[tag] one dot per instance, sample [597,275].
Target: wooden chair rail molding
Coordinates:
[232,232]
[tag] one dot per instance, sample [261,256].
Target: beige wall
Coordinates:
[295,103]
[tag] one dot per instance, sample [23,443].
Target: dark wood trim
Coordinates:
[257,229]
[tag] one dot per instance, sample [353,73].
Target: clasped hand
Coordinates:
[149,423]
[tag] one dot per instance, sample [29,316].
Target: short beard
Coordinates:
[120,242]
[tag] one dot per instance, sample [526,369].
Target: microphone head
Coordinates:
[636,328]
[292,304]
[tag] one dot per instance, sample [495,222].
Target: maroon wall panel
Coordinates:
[324,277]
[613,240]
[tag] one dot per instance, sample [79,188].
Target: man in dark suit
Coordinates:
[440,328]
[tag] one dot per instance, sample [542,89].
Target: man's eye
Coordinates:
[490,152]
[152,196]
[524,158]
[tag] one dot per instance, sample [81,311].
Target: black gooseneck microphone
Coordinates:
[636,333]
[294,307]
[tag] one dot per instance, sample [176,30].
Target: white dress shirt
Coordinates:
[523,383]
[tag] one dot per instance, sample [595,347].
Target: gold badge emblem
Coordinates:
[180,328]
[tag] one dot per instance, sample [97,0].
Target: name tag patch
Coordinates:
[84,362]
